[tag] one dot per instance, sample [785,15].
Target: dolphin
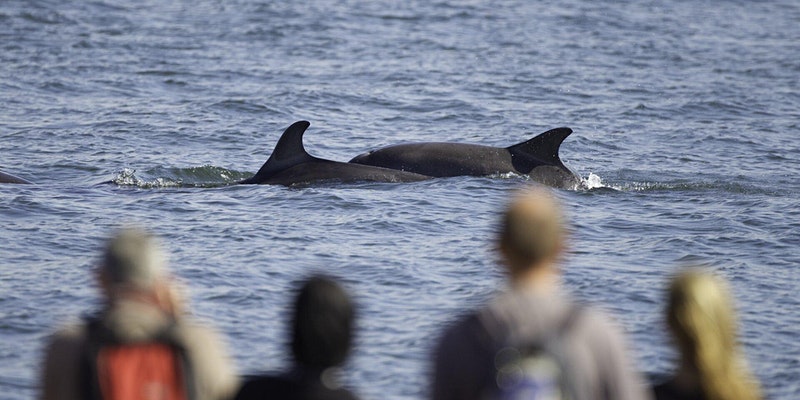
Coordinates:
[537,158]
[290,164]
[8,178]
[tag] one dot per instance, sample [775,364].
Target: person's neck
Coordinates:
[543,278]
[127,295]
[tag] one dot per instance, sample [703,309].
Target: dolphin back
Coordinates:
[540,150]
[8,178]
[291,164]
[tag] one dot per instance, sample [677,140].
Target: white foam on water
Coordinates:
[592,181]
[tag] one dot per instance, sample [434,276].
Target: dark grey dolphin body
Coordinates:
[290,164]
[8,178]
[537,157]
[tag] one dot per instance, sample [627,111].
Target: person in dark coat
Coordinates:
[322,335]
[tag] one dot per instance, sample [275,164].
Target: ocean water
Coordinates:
[686,119]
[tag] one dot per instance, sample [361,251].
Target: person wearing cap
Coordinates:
[140,302]
[586,351]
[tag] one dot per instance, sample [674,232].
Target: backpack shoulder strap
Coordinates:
[573,314]
[556,342]
[90,384]
[169,335]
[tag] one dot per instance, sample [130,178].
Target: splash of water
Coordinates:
[592,182]
[127,177]
[160,177]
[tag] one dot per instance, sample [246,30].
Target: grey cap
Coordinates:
[133,257]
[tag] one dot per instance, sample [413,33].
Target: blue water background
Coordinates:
[687,126]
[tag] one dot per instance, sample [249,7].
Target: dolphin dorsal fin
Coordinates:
[543,147]
[289,151]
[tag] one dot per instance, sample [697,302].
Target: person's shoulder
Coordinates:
[65,344]
[597,318]
[71,329]
[669,390]
[465,321]
[72,333]
[464,342]
[284,387]
[462,328]
[597,331]
[207,351]
[62,354]
[259,387]
[194,330]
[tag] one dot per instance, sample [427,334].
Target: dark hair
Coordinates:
[322,325]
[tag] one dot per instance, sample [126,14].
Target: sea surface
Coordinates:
[686,119]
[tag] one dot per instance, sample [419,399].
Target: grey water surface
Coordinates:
[687,132]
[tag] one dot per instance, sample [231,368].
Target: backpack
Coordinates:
[157,369]
[535,369]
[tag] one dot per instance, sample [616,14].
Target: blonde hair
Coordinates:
[700,315]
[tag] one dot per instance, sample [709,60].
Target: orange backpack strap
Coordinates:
[154,369]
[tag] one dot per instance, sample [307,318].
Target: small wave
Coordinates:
[594,182]
[127,177]
[591,182]
[241,106]
[159,72]
[47,17]
[694,186]
[204,176]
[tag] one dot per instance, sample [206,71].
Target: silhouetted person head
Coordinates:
[322,325]
[702,319]
[532,234]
